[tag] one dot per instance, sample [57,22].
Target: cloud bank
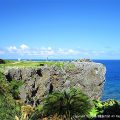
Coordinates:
[26,51]
[42,51]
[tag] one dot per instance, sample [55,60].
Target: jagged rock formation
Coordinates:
[40,81]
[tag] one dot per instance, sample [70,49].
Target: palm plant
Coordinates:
[69,104]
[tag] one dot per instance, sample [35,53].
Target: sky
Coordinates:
[60,29]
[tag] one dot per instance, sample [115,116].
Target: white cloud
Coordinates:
[43,51]
[67,51]
[49,51]
[71,51]
[23,47]
[46,52]
[49,48]
[12,48]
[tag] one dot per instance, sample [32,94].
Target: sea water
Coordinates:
[112,84]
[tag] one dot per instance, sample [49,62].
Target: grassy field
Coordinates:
[31,63]
[34,64]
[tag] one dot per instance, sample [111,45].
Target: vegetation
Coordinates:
[14,88]
[59,64]
[10,63]
[60,105]
[110,108]
[26,111]
[8,107]
[71,66]
[68,105]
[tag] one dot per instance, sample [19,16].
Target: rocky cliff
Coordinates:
[40,81]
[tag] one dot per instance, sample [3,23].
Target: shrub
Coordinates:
[2,61]
[110,107]
[8,106]
[14,88]
[70,104]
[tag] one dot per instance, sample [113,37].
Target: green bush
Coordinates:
[97,109]
[14,88]
[8,106]
[109,107]
[70,104]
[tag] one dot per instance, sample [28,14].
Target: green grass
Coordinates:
[71,66]
[22,64]
[35,64]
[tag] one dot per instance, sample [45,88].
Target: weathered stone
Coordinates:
[38,82]
[84,60]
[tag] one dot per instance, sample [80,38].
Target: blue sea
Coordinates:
[112,84]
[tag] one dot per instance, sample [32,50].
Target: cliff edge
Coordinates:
[38,82]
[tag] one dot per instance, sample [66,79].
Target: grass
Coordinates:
[22,64]
[34,64]
[71,66]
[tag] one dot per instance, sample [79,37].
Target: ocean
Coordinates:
[112,84]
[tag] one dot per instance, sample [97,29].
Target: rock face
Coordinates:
[38,82]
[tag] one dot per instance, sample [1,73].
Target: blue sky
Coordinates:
[60,29]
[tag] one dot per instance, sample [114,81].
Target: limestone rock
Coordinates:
[38,82]
[84,60]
